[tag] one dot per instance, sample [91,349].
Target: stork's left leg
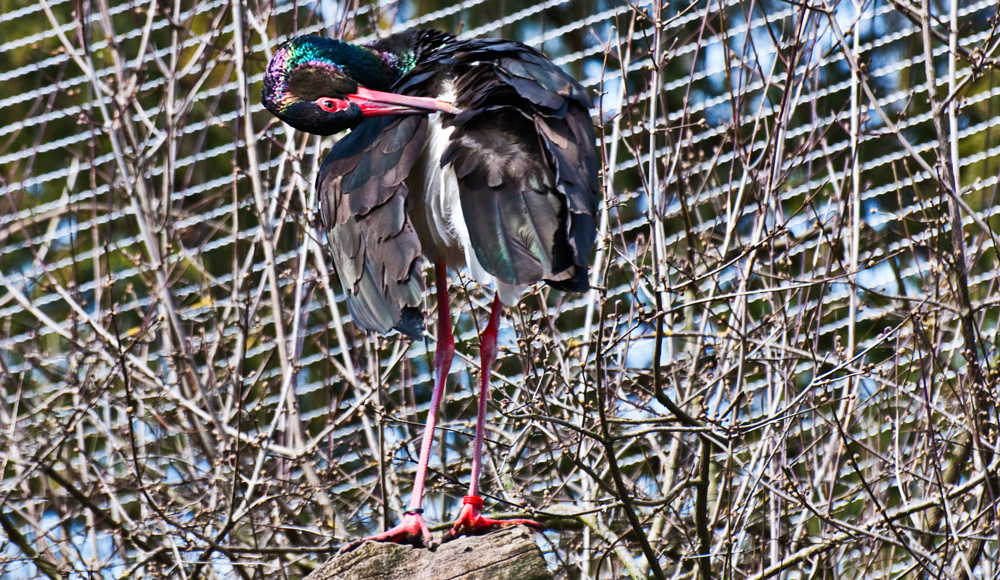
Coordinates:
[470,521]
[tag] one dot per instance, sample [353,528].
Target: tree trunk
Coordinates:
[509,554]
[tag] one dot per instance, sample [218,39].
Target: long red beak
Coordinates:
[379,104]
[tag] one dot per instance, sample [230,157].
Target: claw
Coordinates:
[471,522]
[412,530]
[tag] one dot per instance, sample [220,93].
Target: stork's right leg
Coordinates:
[470,520]
[413,530]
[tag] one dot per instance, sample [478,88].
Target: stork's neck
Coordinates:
[403,51]
[371,68]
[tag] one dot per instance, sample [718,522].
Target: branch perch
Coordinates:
[509,554]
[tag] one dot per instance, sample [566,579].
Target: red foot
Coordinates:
[412,530]
[471,522]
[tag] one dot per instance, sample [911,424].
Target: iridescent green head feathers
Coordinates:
[311,81]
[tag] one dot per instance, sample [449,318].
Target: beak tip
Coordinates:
[447,107]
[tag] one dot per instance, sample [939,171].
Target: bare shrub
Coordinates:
[787,366]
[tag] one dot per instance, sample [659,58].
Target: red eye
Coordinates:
[331,105]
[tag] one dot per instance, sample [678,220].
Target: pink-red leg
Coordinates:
[413,529]
[470,520]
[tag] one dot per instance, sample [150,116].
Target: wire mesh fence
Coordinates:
[786,367]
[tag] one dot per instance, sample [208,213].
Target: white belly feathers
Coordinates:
[444,234]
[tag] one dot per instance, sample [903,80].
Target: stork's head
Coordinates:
[324,86]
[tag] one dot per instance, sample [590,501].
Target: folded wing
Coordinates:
[362,207]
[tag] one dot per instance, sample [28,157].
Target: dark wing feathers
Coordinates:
[505,191]
[374,246]
[569,151]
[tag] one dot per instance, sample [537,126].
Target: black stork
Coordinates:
[475,153]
